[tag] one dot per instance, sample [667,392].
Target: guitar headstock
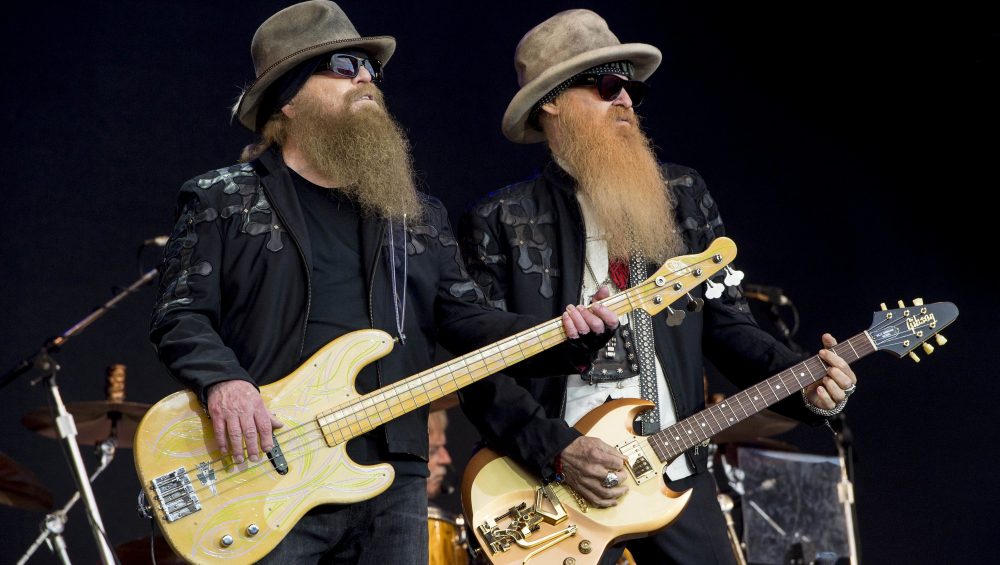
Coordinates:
[902,329]
[680,275]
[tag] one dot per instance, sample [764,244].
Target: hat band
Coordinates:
[617,67]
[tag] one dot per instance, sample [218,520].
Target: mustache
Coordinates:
[627,114]
[365,90]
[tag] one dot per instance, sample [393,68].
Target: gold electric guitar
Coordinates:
[214,511]
[519,519]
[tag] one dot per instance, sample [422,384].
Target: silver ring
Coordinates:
[610,481]
[850,390]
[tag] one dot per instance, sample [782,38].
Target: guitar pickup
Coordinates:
[276,457]
[637,463]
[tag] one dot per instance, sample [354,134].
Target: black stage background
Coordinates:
[847,144]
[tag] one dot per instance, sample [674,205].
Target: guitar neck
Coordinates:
[380,406]
[670,442]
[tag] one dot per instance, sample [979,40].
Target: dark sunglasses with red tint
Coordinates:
[348,66]
[609,87]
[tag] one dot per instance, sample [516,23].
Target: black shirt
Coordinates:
[339,300]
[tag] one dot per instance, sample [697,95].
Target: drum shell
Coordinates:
[447,543]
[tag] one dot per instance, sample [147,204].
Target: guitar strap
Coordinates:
[642,329]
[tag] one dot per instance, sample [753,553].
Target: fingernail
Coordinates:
[253,458]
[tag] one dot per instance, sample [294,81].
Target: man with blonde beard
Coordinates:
[604,211]
[318,233]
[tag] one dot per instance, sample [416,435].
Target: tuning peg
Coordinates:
[928,348]
[882,305]
[914,357]
[694,304]
[940,340]
[674,317]
[901,304]
[713,290]
[733,277]
[918,301]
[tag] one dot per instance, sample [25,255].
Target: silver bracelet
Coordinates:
[835,410]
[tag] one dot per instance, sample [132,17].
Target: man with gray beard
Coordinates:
[319,232]
[605,212]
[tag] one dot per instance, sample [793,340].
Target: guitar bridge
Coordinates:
[175,495]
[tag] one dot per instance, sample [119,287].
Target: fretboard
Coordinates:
[670,442]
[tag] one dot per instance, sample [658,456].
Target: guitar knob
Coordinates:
[928,348]
[914,357]
[882,305]
[940,339]
[901,303]
[918,301]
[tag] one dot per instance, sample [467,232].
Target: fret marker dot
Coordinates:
[777,386]
[756,397]
[730,419]
[723,405]
[802,374]
[677,438]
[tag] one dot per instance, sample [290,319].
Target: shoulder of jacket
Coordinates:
[522,190]
[680,176]
[227,180]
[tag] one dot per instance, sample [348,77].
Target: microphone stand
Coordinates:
[43,362]
[55,523]
[845,488]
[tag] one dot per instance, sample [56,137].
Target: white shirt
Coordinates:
[581,396]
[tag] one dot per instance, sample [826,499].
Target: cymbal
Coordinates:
[93,421]
[763,424]
[137,552]
[20,488]
[445,402]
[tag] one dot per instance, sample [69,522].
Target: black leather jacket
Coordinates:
[524,245]
[235,291]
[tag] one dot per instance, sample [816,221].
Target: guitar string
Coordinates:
[642,292]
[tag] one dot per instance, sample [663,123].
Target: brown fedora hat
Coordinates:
[295,34]
[559,48]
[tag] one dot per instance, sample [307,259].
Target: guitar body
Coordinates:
[493,484]
[176,433]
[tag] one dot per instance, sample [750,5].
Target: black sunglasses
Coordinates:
[609,87]
[348,66]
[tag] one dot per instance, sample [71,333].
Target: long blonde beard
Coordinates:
[616,169]
[367,147]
